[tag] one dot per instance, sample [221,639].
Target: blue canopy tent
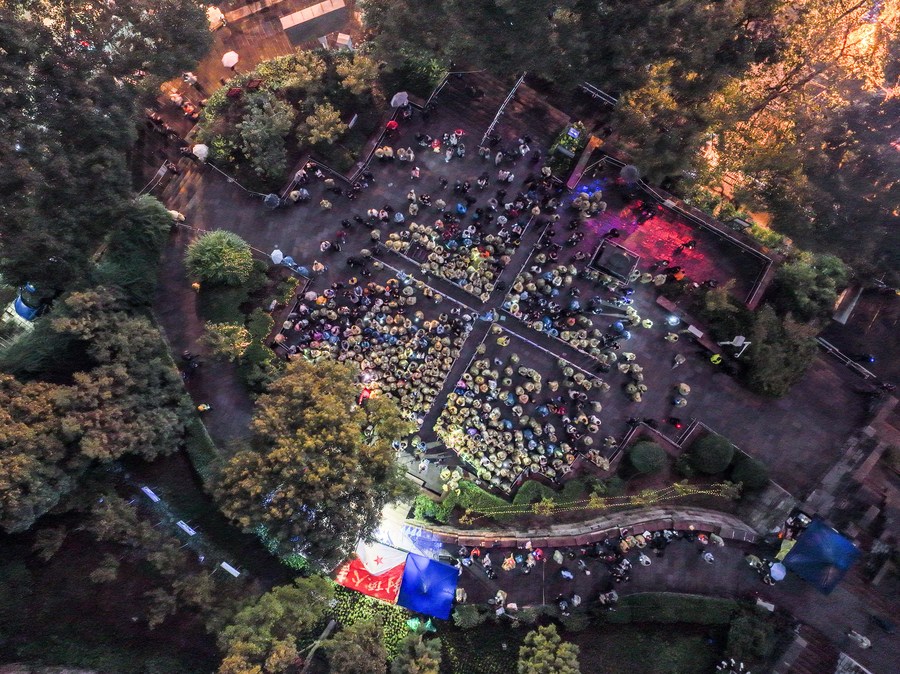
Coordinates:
[821,556]
[428,586]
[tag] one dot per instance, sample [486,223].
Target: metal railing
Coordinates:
[597,92]
[502,109]
[844,359]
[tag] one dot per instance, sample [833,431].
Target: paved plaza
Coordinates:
[799,437]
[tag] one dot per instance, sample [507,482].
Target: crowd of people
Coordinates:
[398,349]
[613,559]
[506,421]
[468,235]
[503,419]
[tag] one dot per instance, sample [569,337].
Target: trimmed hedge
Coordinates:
[711,454]
[750,472]
[472,497]
[665,607]
[646,457]
[202,452]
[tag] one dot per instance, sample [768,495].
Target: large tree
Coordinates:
[37,464]
[265,633]
[129,400]
[780,352]
[357,649]
[264,128]
[543,652]
[70,76]
[322,468]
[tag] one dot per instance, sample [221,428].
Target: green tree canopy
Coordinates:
[808,286]
[266,124]
[415,655]
[543,652]
[227,340]
[132,256]
[358,73]
[780,352]
[220,257]
[324,125]
[711,454]
[322,468]
[67,122]
[265,633]
[357,649]
[301,71]
[129,400]
[646,457]
[36,462]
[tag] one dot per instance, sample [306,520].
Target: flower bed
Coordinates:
[352,607]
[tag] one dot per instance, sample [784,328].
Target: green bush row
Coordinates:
[665,607]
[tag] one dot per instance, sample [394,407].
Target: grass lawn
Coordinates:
[650,649]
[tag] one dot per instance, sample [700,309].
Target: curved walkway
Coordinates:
[585,532]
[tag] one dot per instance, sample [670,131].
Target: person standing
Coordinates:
[859,639]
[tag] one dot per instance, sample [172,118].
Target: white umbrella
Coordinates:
[778,571]
[230,59]
[200,151]
[277,256]
[400,99]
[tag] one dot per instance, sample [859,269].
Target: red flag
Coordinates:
[376,571]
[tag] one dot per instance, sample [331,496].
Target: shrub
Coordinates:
[259,324]
[711,454]
[259,367]
[469,616]
[226,340]
[324,125]
[220,257]
[750,636]
[646,457]
[683,466]
[750,472]
[424,508]
[285,289]
[614,486]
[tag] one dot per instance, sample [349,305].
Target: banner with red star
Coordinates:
[376,571]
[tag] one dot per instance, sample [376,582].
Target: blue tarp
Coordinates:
[428,586]
[821,556]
